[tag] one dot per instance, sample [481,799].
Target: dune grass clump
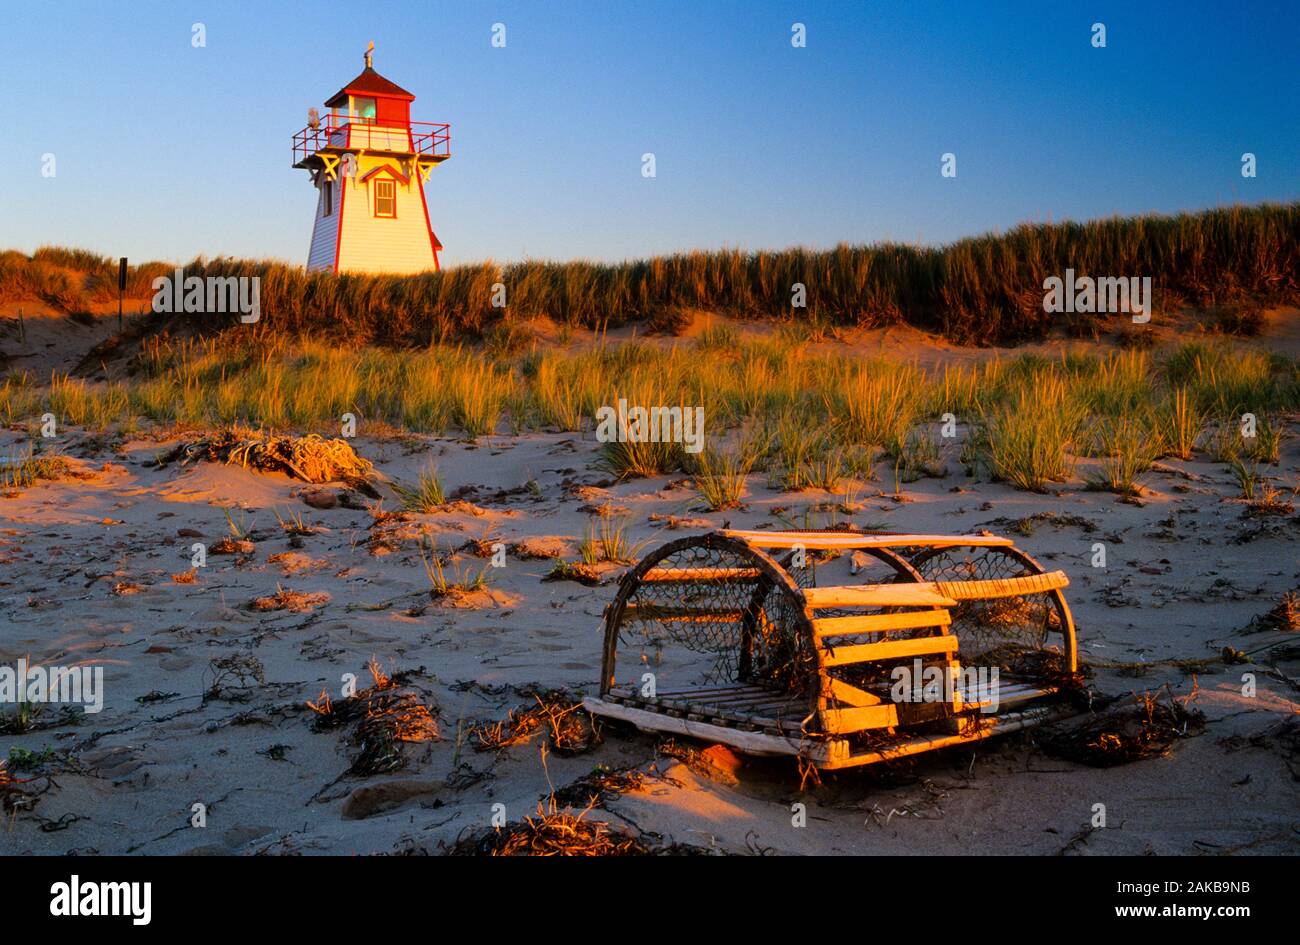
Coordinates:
[718,337]
[295,524]
[1245,473]
[427,495]
[875,405]
[20,398]
[580,572]
[1127,446]
[1115,385]
[827,471]
[1179,423]
[82,403]
[463,581]
[478,397]
[1029,438]
[640,459]
[607,539]
[917,457]
[720,476]
[1266,444]
[797,443]
[560,391]
[1258,440]
[24,470]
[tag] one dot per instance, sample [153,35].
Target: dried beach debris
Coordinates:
[291,600]
[568,725]
[556,833]
[311,458]
[387,715]
[1147,727]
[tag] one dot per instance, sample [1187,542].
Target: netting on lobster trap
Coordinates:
[705,615]
[1022,635]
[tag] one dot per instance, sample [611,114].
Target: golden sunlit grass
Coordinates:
[1030,435]
[804,417]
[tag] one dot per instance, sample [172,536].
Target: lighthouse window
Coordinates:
[385,198]
[364,108]
[329,198]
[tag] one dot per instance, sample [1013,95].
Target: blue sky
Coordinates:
[168,151]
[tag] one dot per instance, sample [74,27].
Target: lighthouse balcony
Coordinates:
[425,140]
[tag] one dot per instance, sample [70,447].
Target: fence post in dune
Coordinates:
[121,288]
[966,637]
[369,162]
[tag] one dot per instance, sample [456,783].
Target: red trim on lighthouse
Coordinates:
[434,245]
[386,169]
[338,235]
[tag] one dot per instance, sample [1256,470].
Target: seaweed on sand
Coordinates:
[570,728]
[600,786]
[1147,727]
[553,832]
[387,715]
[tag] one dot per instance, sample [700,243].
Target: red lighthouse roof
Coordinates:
[370,83]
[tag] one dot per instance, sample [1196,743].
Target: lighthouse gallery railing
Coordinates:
[421,137]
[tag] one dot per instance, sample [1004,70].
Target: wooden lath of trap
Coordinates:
[736,643]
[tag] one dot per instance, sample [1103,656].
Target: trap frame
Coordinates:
[737,643]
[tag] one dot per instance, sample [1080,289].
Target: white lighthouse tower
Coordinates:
[368,162]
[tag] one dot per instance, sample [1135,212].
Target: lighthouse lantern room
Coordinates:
[369,162]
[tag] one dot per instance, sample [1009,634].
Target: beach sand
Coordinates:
[86,575]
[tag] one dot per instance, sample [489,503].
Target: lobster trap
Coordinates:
[841,648]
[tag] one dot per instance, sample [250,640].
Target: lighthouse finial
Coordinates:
[370,53]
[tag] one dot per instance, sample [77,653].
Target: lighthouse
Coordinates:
[369,162]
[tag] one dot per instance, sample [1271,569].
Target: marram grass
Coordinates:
[806,419]
[981,289]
